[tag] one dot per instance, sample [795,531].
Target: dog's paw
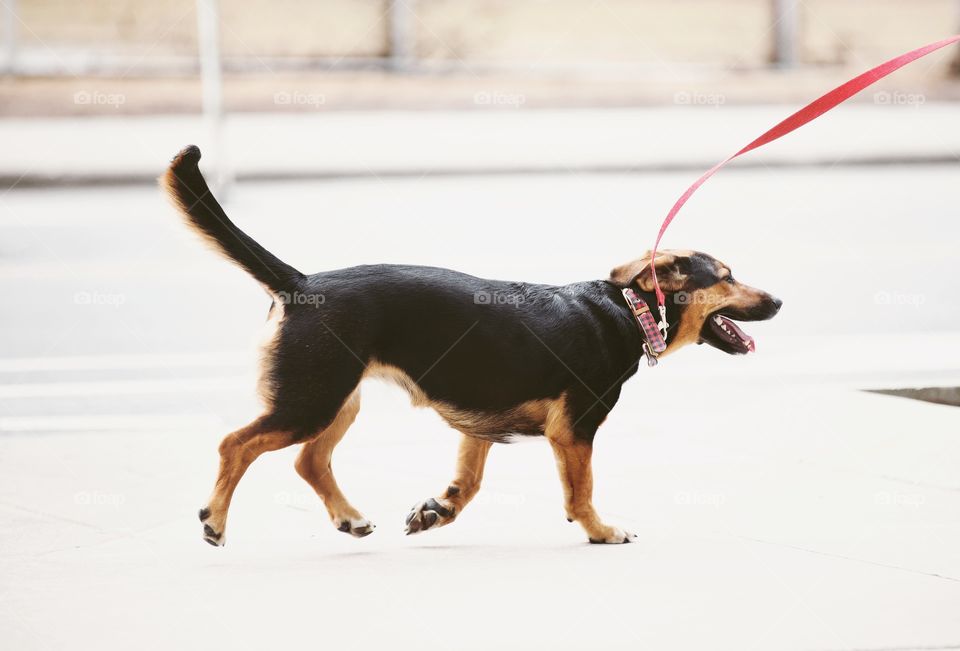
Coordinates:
[356,527]
[429,514]
[212,532]
[615,536]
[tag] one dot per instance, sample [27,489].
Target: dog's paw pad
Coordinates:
[210,534]
[356,527]
[428,514]
[616,536]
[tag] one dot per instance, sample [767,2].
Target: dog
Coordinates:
[497,360]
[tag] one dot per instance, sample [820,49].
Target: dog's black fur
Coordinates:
[481,345]
[495,358]
[437,327]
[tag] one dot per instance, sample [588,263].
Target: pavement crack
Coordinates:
[912,647]
[860,560]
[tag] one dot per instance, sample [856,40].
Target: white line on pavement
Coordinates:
[108,422]
[120,362]
[126,387]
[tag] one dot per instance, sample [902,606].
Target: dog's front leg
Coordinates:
[576,474]
[439,511]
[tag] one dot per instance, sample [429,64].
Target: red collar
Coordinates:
[653,341]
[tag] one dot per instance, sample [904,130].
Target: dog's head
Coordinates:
[703,299]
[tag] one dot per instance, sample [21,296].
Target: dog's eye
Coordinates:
[730,280]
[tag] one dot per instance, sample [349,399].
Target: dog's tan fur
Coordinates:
[479,429]
[315,465]
[576,475]
[498,384]
[237,451]
[701,303]
[471,460]
[525,417]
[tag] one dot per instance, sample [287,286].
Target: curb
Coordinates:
[10,181]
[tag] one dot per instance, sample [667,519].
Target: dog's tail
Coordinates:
[189,192]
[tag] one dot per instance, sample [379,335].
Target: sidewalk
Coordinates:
[777,505]
[817,519]
[502,140]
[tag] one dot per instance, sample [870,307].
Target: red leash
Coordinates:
[808,113]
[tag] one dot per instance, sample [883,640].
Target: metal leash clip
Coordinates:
[663,322]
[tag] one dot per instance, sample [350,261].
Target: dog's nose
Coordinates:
[777,303]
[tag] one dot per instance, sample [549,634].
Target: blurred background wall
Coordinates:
[424,53]
[474,120]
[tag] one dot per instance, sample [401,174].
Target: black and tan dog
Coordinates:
[496,359]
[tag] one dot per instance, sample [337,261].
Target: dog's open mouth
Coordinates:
[722,332]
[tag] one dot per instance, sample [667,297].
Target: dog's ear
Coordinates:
[669,276]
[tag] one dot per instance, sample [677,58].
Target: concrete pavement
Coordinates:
[778,507]
[498,139]
[769,518]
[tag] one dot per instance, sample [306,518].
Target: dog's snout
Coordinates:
[769,307]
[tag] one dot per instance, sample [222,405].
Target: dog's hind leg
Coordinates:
[237,451]
[314,465]
[438,511]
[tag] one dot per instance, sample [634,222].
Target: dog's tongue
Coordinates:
[734,329]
